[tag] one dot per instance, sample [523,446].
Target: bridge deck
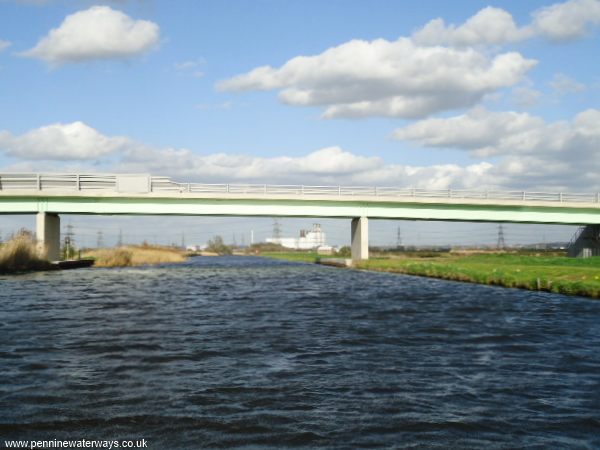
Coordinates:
[148,195]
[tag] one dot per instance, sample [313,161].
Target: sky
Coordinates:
[432,94]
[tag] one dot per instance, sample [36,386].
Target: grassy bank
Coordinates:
[309,257]
[546,273]
[552,273]
[21,255]
[135,256]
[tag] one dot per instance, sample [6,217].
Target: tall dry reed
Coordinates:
[21,254]
[135,256]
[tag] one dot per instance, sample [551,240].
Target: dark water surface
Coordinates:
[250,352]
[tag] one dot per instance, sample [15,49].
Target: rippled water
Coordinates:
[232,351]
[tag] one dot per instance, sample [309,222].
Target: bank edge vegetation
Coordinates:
[135,256]
[552,273]
[538,272]
[21,254]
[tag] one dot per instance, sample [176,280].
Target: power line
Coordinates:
[501,243]
[69,241]
[276,229]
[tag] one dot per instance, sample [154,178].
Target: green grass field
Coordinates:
[308,257]
[548,273]
[527,271]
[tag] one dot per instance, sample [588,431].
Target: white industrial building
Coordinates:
[309,239]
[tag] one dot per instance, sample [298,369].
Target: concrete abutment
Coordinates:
[360,238]
[48,234]
[587,243]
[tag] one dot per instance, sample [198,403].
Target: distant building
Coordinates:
[326,250]
[195,248]
[308,240]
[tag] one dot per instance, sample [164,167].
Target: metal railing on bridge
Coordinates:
[142,183]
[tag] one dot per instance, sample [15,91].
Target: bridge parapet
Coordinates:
[145,183]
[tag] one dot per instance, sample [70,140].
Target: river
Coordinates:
[251,352]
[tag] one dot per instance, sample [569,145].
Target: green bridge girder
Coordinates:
[327,207]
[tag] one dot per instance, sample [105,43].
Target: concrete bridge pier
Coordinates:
[360,238]
[587,243]
[48,234]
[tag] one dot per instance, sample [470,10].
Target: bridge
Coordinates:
[50,194]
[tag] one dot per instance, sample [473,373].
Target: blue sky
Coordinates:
[490,95]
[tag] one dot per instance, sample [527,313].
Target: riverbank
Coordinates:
[134,255]
[21,254]
[307,257]
[537,272]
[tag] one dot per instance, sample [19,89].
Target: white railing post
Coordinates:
[80,182]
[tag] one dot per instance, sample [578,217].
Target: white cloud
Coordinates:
[208,106]
[186,65]
[526,151]
[567,21]
[530,151]
[191,67]
[383,78]
[479,131]
[330,166]
[78,147]
[74,141]
[441,67]
[189,64]
[489,26]
[327,166]
[495,26]
[4,45]
[563,85]
[325,163]
[99,32]
[525,96]
[488,133]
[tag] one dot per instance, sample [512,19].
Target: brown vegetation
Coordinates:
[261,247]
[216,245]
[21,254]
[135,256]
